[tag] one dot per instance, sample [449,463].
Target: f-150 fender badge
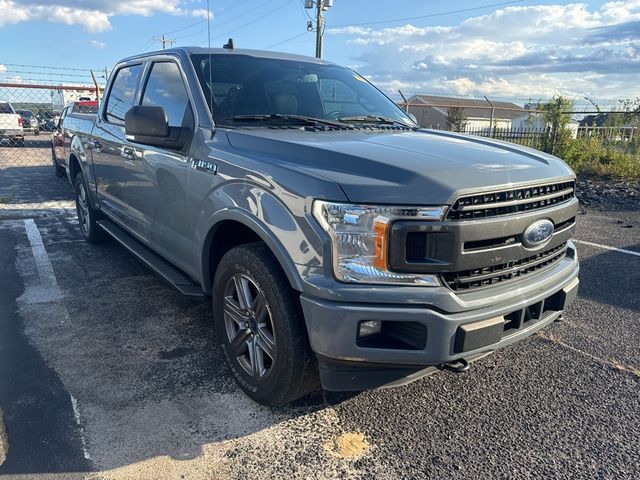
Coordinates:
[537,234]
[204,166]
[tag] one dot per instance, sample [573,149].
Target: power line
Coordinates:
[427,16]
[244,14]
[287,40]
[146,45]
[199,22]
[255,20]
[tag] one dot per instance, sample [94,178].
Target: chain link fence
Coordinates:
[29,117]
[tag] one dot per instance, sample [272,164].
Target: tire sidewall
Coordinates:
[260,390]
[80,181]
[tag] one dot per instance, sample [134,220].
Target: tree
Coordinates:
[556,115]
[456,119]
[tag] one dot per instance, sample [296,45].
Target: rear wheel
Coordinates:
[260,326]
[87,215]
[19,142]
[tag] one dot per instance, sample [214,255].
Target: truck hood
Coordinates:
[401,167]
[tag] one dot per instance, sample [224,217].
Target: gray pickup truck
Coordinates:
[340,244]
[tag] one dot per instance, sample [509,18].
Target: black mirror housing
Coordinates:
[146,124]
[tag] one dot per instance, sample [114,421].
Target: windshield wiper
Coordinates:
[374,119]
[285,118]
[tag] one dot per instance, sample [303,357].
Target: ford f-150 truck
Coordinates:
[338,242]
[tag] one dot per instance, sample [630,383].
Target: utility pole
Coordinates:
[164,41]
[321,6]
[319,28]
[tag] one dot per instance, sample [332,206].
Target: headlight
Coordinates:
[360,240]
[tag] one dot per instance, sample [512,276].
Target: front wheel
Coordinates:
[87,215]
[260,326]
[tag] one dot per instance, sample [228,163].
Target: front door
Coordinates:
[110,150]
[156,189]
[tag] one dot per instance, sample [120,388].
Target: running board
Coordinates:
[172,275]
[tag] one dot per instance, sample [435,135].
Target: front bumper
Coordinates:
[470,331]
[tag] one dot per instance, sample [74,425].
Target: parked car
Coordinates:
[11,129]
[338,242]
[29,122]
[46,121]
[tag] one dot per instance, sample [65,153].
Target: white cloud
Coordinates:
[97,44]
[201,13]
[92,15]
[526,50]
[3,69]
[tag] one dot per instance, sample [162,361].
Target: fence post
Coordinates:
[406,103]
[493,111]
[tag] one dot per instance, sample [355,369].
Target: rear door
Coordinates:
[157,186]
[112,154]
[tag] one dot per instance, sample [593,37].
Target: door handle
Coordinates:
[128,153]
[95,145]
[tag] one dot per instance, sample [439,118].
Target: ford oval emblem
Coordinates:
[537,234]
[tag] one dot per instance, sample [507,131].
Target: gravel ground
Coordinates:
[107,373]
[608,193]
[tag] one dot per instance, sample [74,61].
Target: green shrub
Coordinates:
[592,156]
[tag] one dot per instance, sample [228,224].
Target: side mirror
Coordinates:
[146,124]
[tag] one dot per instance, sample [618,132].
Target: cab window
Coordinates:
[122,94]
[165,88]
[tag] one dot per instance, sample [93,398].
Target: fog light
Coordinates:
[369,327]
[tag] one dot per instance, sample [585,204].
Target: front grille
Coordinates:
[497,274]
[487,205]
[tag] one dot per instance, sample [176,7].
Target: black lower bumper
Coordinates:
[470,341]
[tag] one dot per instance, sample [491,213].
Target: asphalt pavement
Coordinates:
[107,373]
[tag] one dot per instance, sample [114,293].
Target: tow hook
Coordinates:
[457,366]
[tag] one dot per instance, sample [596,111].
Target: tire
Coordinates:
[58,170]
[20,142]
[265,325]
[87,215]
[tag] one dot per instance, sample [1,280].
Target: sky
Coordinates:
[506,50]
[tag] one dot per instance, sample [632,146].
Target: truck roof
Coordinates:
[185,51]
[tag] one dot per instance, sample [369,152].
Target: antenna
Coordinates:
[229,44]
[210,66]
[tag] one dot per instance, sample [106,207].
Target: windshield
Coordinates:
[246,86]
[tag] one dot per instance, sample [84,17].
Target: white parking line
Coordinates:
[43,264]
[606,247]
[49,284]
[76,413]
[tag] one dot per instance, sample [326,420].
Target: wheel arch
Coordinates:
[236,227]
[74,167]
